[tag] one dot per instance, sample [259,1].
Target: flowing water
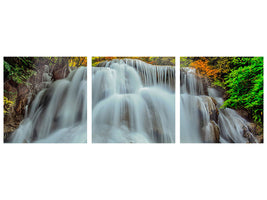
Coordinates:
[58,114]
[202,120]
[133,102]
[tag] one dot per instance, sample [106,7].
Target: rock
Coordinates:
[243,113]
[60,73]
[9,88]
[260,138]
[255,129]
[7,136]
[22,90]
[249,136]
[214,101]
[210,105]
[102,64]
[220,91]
[22,99]
[10,125]
[251,130]
[252,127]
[211,133]
[216,132]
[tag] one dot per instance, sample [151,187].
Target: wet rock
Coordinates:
[247,134]
[207,110]
[214,114]
[214,101]
[211,133]
[220,91]
[206,85]
[256,130]
[10,125]
[216,131]
[102,64]
[252,127]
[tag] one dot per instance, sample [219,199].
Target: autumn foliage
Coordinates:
[150,60]
[241,77]
[77,61]
[202,66]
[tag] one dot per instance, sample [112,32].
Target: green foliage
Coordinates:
[222,64]
[186,61]
[173,61]
[245,86]
[95,61]
[219,83]
[240,61]
[18,69]
[241,77]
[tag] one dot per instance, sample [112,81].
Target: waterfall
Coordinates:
[58,114]
[133,102]
[202,120]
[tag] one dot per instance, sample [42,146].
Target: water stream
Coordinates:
[202,120]
[133,102]
[58,114]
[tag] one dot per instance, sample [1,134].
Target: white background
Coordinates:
[132,171]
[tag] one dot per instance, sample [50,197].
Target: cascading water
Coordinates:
[202,120]
[58,114]
[133,102]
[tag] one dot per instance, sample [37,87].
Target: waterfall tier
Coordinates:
[133,102]
[58,114]
[202,120]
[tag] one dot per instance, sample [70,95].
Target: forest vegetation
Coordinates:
[17,71]
[150,60]
[240,77]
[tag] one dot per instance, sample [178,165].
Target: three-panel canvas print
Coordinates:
[133,99]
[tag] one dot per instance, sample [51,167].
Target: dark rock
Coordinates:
[7,136]
[9,88]
[243,113]
[60,73]
[216,132]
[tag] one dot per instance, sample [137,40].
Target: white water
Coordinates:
[58,114]
[133,102]
[202,120]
